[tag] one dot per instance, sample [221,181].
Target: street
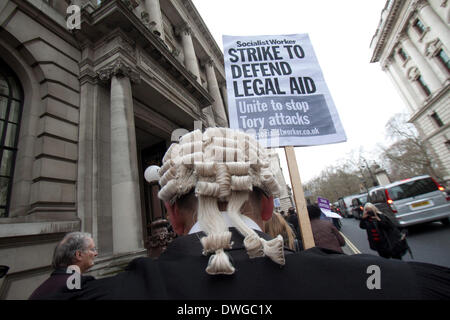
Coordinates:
[429,242]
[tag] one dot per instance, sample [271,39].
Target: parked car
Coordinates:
[357,205]
[345,205]
[412,201]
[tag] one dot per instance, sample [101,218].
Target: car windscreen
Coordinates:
[412,189]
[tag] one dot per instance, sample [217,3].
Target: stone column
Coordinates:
[413,76]
[126,204]
[190,59]
[429,77]
[223,90]
[431,51]
[155,17]
[213,89]
[403,85]
[437,26]
[61,7]
[209,115]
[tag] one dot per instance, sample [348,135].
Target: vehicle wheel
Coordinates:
[445,221]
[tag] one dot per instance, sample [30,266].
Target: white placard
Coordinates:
[277,92]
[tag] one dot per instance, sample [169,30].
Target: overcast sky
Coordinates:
[340,32]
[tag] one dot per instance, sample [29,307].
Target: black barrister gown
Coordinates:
[179,273]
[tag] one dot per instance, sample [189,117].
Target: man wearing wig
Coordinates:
[218,189]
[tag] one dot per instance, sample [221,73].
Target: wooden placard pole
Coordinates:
[299,198]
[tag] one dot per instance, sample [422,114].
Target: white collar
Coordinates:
[249,222]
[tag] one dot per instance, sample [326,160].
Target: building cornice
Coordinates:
[213,50]
[379,40]
[118,68]
[203,28]
[49,18]
[98,24]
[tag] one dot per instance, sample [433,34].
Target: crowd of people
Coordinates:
[232,245]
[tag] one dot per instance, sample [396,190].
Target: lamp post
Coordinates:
[363,180]
[160,236]
[374,181]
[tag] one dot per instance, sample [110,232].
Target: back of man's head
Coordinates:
[313,211]
[222,166]
[65,251]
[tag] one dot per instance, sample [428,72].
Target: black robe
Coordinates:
[179,274]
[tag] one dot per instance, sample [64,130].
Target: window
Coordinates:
[412,189]
[402,54]
[11,98]
[418,25]
[447,144]
[377,196]
[424,86]
[443,58]
[436,119]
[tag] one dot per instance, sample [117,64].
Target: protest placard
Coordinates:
[276,90]
[324,205]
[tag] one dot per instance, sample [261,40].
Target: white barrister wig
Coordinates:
[221,165]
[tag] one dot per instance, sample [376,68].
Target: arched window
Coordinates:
[11,101]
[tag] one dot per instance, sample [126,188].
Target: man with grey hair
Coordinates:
[74,253]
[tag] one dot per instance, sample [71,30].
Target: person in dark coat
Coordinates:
[217,205]
[381,231]
[324,232]
[293,220]
[75,251]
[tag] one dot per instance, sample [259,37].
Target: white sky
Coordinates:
[340,32]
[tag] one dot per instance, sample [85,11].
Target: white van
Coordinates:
[412,201]
[345,205]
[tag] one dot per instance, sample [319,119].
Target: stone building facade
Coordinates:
[412,44]
[83,113]
[84,110]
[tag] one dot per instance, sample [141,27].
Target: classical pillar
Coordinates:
[413,76]
[213,89]
[403,85]
[425,70]
[438,27]
[190,59]
[125,194]
[432,50]
[223,90]
[154,14]
[209,115]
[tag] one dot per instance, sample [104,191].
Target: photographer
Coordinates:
[381,232]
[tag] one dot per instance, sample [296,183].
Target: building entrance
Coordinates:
[156,228]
